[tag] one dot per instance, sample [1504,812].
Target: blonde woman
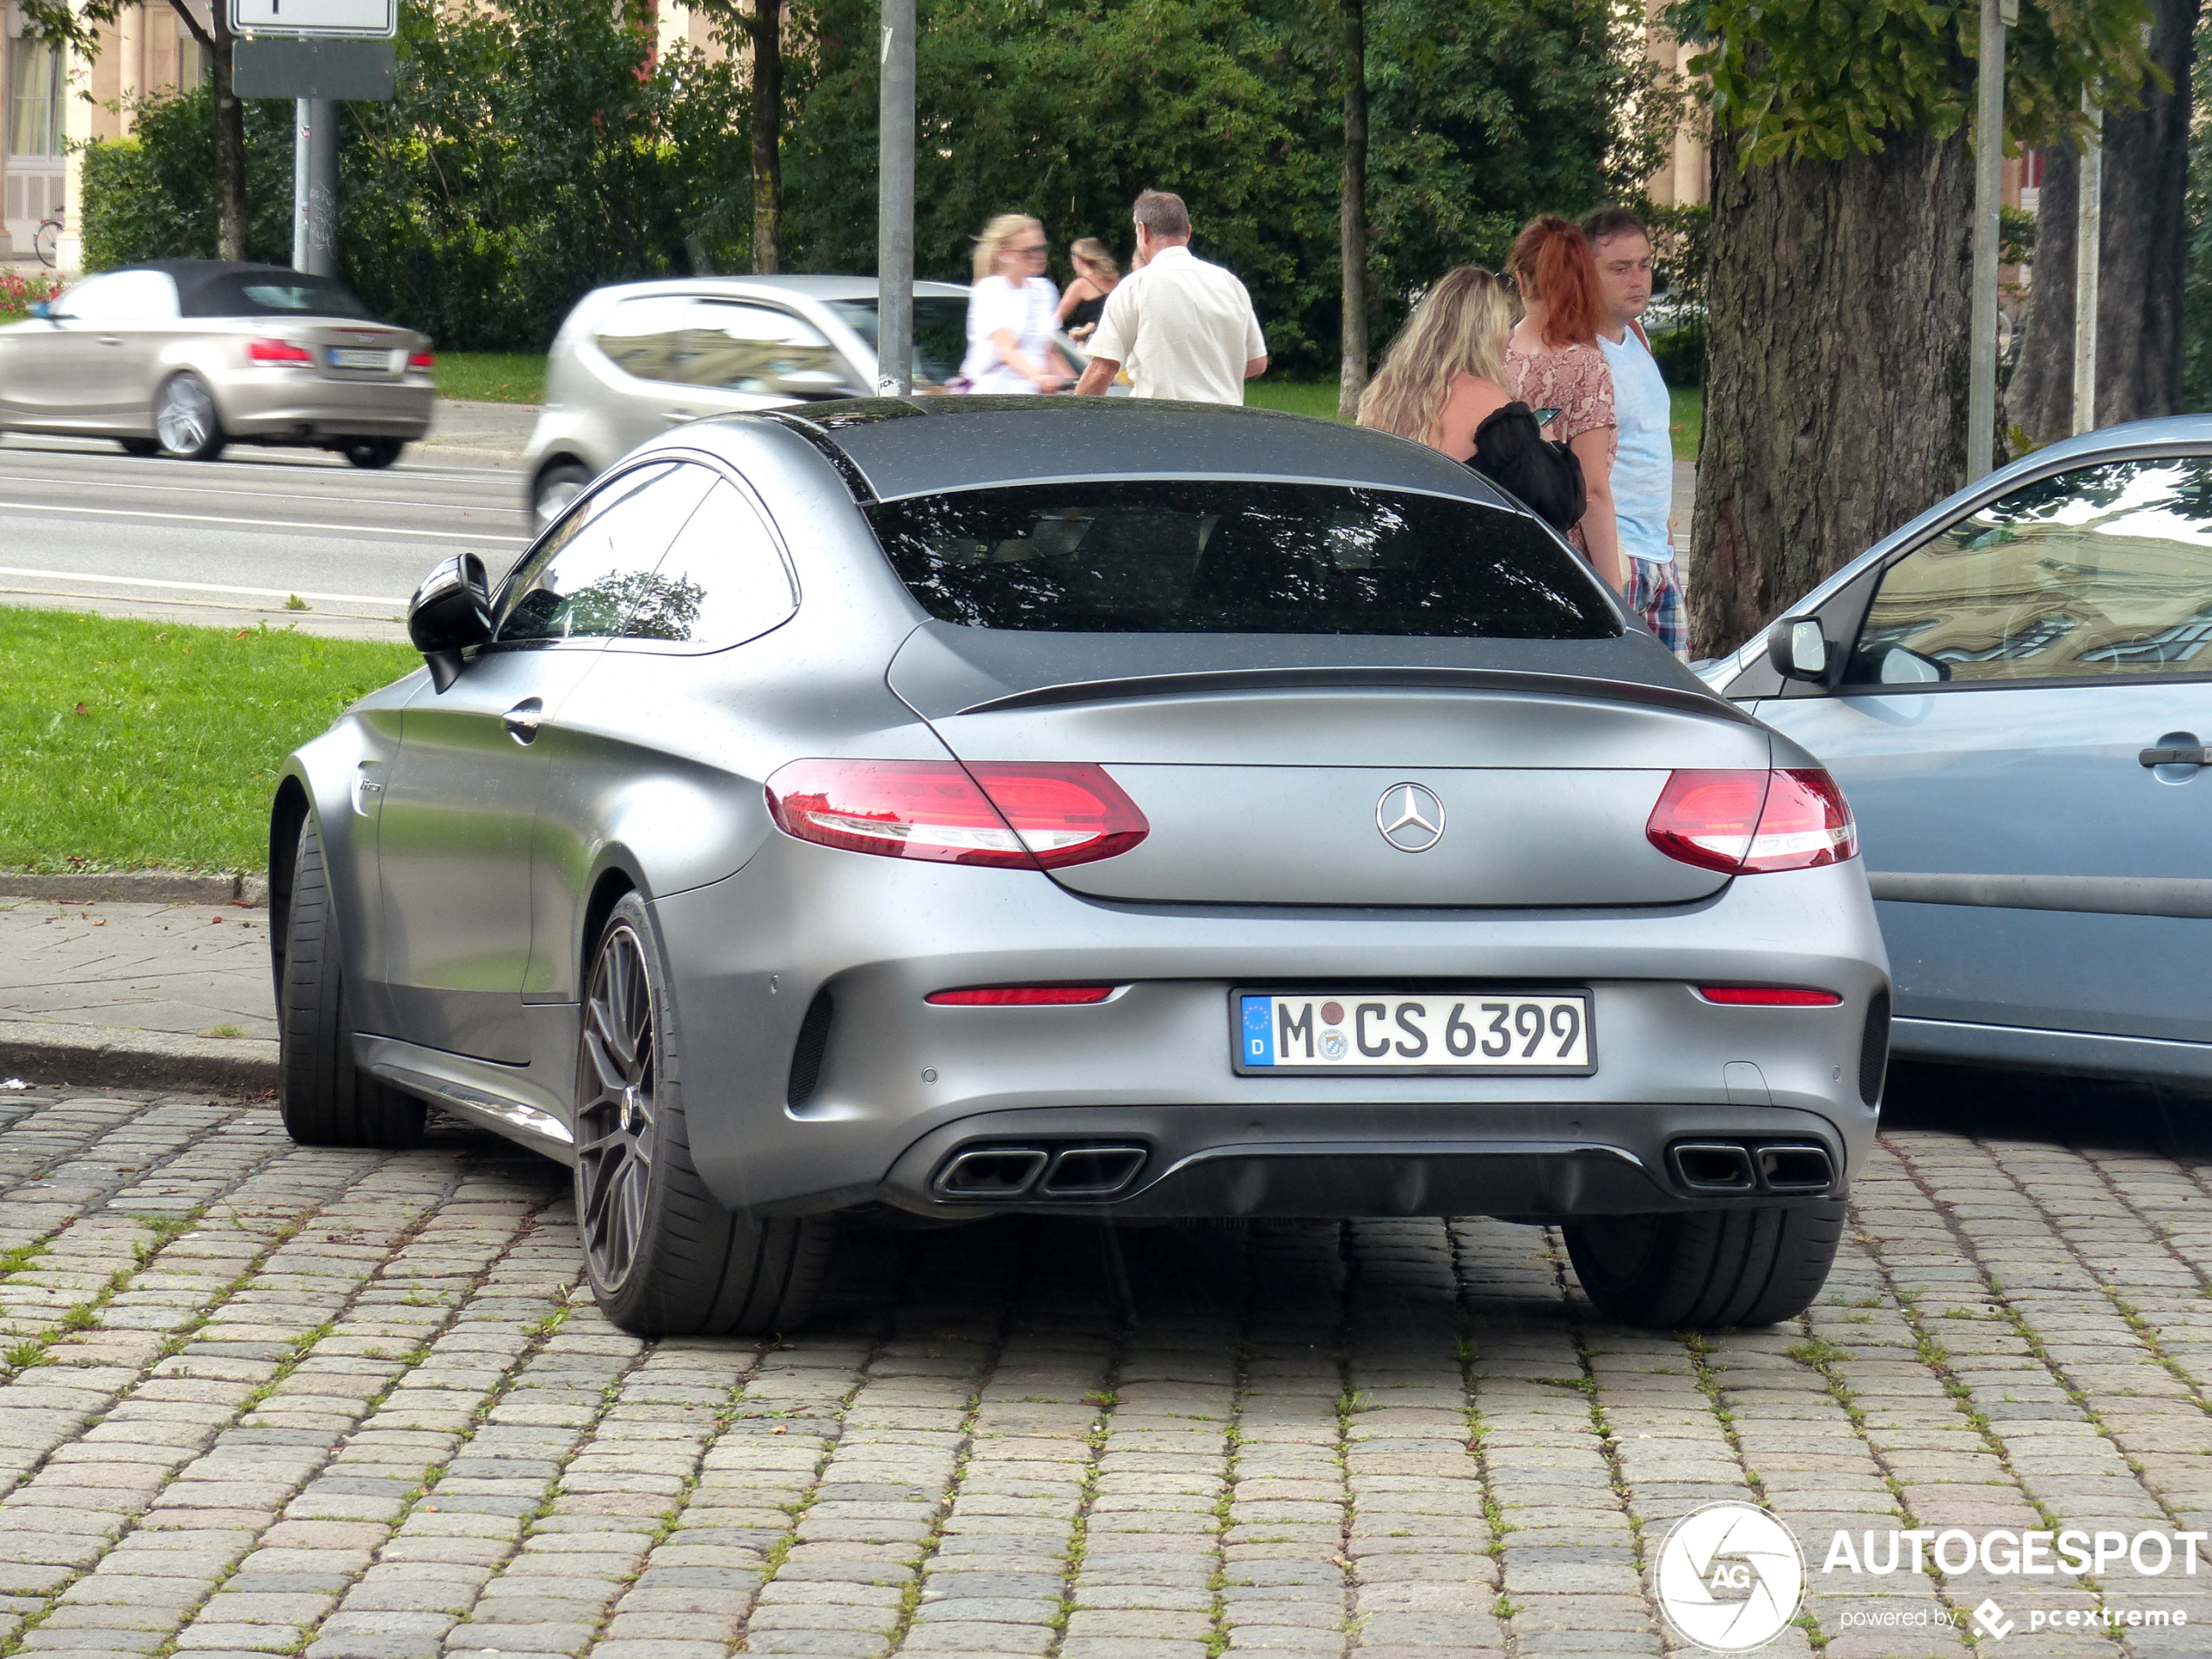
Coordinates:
[1097,276]
[1011,312]
[1445,373]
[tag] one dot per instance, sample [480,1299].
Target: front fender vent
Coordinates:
[807,1054]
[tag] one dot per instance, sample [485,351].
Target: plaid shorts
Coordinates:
[1655,594]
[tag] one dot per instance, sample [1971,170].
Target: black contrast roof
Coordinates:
[896,447]
[217,287]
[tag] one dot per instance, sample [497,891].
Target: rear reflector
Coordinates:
[1012,815]
[1747,822]
[423,360]
[277,351]
[1021,996]
[1768,997]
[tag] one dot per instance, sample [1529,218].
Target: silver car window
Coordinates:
[759,352]
[2101,573]
[643,336]
[723,581]
[122,296]
[593,576]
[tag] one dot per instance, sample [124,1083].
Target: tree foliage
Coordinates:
[1815,80]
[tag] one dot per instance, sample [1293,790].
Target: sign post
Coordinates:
[314,53]
[894,235]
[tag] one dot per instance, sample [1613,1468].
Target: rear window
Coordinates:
[274,294]
[1209,556]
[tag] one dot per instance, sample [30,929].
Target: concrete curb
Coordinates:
[140,886]
[106,1057]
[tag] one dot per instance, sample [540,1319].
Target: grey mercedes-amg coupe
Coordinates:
[970,806]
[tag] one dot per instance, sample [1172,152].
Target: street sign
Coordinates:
[275,67]
[360,19]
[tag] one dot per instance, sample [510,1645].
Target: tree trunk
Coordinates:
[1836,385]
[2140,255]
[1352,210]
[764,27]
[230,147]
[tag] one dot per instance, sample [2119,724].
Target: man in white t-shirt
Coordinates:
[1184,328]
[1644,465]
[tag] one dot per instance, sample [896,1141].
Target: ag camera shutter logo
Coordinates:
[1730,1577]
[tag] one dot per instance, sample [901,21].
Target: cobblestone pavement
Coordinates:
[263,1400]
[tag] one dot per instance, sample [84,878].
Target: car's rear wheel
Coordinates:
[373,454]
[1708,1268]
[663,1257]
[557,486]
[139,446]
[325,1098]
[185,421]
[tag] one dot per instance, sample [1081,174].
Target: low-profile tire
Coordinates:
[371,453]
[1707,1269]
[665,1259]
[325,1099]
[139,446]
[555,488]
[186,424]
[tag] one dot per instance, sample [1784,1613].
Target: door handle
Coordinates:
[676,417]
[522,721]
[2176,757]
[111,339]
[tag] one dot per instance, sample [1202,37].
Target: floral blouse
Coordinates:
[1576,382]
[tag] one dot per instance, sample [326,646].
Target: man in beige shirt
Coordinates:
[1185,328]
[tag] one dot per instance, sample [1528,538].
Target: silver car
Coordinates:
[182,357]
[988,806]
[2016,689]
[633,360]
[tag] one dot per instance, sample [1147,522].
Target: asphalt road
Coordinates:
[85,527]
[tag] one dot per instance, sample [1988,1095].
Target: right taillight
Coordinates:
[1013,815]
[1746,822]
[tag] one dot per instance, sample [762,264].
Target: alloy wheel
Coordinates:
[186,417]
[616,1110]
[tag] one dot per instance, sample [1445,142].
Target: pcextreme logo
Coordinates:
[1730,1577]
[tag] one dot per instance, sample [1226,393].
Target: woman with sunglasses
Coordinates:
[1013,313]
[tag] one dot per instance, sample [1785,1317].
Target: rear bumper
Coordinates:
[1523,1162]
[301,407]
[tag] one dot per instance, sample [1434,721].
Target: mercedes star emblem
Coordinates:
[1410,818]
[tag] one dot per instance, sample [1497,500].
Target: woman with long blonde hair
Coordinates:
[1446,371]
[1010,312]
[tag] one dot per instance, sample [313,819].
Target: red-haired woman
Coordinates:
[1555,363]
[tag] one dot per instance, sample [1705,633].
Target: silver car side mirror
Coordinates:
[450,612]
[1797,649]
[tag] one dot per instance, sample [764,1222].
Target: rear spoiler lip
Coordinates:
[1705,703]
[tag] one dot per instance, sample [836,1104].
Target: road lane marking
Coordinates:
[196,605]
[254,524]
[56,482]
[197,587]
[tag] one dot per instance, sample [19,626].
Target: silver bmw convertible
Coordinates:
[968,806]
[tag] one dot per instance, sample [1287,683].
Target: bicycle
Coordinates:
[46,241]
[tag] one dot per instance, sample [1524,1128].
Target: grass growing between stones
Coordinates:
[129,745]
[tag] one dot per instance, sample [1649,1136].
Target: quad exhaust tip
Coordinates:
[1729,1166]
[1074,1170]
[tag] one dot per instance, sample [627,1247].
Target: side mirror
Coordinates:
[43,309]
[450,612]
[1797,649]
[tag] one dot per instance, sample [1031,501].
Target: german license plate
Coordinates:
[1433,1031]
[355,357]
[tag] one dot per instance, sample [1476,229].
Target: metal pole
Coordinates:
[322,187]
[301,120]
[2088,228]
[895,236]
[1989,162]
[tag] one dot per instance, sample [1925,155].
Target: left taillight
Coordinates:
[1745,822]
[1009,814]
[277,351]
[423,360]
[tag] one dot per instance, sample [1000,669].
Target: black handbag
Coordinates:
[1512,453]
